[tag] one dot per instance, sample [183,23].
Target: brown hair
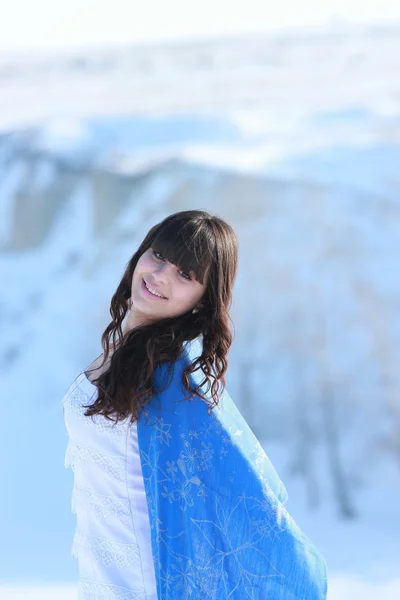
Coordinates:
[195,241]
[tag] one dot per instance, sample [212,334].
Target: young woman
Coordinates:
[174,496]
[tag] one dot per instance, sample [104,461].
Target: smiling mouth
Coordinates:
[149,293]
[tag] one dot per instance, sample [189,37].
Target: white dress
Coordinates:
[112,539]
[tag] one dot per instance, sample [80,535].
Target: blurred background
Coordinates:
[283,120]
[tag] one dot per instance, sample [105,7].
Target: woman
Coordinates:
[174,496]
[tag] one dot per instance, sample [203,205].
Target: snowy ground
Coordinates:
[342,587]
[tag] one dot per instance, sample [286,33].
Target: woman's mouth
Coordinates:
[149,293]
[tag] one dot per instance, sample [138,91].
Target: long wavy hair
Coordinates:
[197,241]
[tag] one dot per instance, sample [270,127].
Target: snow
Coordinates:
[55,296]
[9,184]
[342,587]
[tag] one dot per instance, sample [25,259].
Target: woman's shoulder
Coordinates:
[96,368]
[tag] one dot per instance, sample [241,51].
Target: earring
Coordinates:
[130,303]
[196,309]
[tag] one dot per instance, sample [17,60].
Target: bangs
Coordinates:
[188,245]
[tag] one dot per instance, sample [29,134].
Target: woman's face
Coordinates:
[180,291]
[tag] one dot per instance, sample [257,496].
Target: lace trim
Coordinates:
[74,403]
[82,455]
[106,508]
[94,590]
[108,552]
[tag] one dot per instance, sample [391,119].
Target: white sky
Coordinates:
[51,23]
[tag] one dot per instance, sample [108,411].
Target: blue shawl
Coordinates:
[219,527]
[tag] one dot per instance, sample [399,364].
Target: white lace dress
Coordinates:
[112,537]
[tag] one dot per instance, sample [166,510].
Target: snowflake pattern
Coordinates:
[162,429]
[228,558]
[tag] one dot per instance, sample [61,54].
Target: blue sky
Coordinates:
[51,23]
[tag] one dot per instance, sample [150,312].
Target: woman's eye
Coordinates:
[185,275]
[160,257]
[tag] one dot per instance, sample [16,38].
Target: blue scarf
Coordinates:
[219,527]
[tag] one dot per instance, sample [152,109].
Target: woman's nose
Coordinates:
[161,273]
